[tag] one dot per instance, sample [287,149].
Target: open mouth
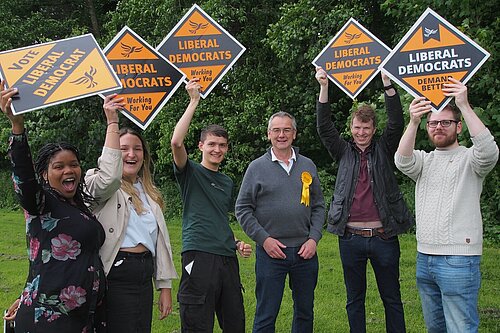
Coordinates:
[69,184]
[131,162]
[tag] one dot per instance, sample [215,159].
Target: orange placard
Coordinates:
[432,51]
[56,72]
[148,79]
[201,48]
[352,57]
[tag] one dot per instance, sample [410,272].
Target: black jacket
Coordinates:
[394,214]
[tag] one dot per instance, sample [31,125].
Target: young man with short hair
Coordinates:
[210,279]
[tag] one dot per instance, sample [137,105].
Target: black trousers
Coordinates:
[210,284]
[129,298]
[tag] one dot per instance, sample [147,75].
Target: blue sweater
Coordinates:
[269,202]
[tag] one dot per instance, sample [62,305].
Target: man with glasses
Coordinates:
[280,206]
[449,226]
[367,210]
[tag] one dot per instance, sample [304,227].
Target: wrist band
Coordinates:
[112,122]
[389,87]
[117,132]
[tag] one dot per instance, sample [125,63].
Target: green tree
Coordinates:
[275,73]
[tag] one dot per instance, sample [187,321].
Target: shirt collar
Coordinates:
[274,158]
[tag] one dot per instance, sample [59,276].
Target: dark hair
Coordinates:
[215,130]
[365,113]
[82,197]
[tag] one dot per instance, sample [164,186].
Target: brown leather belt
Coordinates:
[367,232]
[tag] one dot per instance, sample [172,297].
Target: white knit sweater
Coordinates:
[447,193]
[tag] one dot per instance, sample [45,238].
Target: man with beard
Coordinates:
[449,182]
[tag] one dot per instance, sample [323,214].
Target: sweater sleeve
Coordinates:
[484,153]
[245,207]
[317,210]
[412,165]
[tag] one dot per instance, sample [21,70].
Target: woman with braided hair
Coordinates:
[65,283]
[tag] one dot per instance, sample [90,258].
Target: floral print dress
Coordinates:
[65,281]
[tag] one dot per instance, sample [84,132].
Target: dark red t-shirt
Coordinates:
[363,207]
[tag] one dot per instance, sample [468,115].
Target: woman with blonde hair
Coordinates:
[137,248]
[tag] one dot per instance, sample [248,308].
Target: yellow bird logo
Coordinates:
[196,26]
[128,50]
[350,37]
[88,77]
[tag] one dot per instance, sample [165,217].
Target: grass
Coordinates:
[330,315]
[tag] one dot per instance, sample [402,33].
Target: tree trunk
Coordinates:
[93,18]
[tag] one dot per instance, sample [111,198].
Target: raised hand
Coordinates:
[6,96]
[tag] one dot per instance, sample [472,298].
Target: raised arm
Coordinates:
[395,120]
[6,95]
[388,87]
[177,143]
[103,181]
[111,105]
[323,85]
[328,134]
[418,107]
[458,90]
[28,190]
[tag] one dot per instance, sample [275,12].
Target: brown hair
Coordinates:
[145,174]
[365,113]
[215,130]
[457,114]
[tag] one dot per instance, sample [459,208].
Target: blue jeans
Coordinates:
[270,275]
[449,289]
[384,257]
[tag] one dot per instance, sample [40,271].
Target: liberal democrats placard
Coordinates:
[201,48]
[430,52]
[352,58]
[148,79]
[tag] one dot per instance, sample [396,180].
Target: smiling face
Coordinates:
[133,156]
[64,173]
[440,136]
[281,133]
[213,149]
[362,132]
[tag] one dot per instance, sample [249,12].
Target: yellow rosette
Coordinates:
[306,181]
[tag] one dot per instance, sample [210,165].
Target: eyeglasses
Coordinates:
[444,123]
[277,131]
